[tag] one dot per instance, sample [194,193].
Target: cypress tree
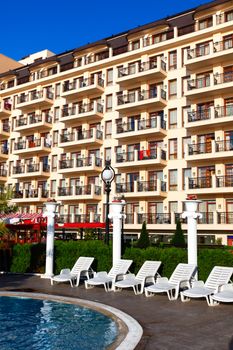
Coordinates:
[178,238]
[144,240]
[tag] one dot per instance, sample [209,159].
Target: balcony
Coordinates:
[213,116]
[150,158]
[210,85]
[4,129]
[143,189]
[5,109]
[213,150]
[139,129]
[30,196]
[33,123]
[92,137]
[4,152]
[83,88]
[3,174]
[91,112]
[206,186]
[81,193]
[141,100]
[35,99]
[211,53]
[31,170]
[41,146]
[80,165]
[81,218]
[141,72]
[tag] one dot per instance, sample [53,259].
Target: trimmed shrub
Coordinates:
[178,237]
[21,258]
[144,241]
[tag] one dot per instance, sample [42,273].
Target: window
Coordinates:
[172,88]
[56,114]
[203,80]
[110,76]
[55,138]
[173,149]
[108,103]
[184,52]
[173,180]
[205,23]
[173,207]
[228,42]
[57,90]
[108,129]
[136,45]
[108,153]
[172,118]
[185,142]
[203,49]
[173,60]
[186,176]
[157,38]
[53,186]
[229,16]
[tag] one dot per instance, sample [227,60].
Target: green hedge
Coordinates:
[31,257]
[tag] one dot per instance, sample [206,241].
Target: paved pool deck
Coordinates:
[166,324]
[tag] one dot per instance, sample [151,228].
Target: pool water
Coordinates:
[47,325]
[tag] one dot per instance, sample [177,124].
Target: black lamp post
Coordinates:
[107,175]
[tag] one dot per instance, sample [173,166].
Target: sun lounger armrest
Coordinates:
[129,276]
[228,286]
[162,280]
[198,284]
[65,272]
[119,277]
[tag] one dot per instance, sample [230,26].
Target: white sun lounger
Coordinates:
[80,268]
[181,276]
[225,295]
[107,279]
[219,276]
[146,274]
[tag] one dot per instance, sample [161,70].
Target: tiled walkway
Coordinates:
[166,324]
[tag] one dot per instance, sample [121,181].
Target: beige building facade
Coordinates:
[156,100]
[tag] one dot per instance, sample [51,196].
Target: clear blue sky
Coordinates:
[28,26]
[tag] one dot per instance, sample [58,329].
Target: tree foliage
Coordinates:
[6,194]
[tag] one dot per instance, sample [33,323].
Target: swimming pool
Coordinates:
[27,323]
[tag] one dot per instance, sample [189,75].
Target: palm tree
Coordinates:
[6,194]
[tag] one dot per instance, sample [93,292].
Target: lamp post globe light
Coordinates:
[107,175]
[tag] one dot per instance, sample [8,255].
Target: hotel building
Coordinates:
[157,100]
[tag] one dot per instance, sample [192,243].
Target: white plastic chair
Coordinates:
[82,267]
[181,276]
[107,279]
[219,276]
[146,274]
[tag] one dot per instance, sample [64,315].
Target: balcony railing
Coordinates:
[137,96]
[224,111]
[81,218]
[225,218]
[224,181]
[78,190]
[80,109]
[200,182]
[195,116]
[154,218]
[226,77]
[223,45]
[199,148]
[198,83]
[3,172]
[186,30]
[139,155]
[224,146]
[81,135]
[143,124]
[34,95]
[139,68]
[198,51]
[22,145]
[78,84]
[80,162]
[207,218]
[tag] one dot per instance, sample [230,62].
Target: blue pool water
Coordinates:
[47,325]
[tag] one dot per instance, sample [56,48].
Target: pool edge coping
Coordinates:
[134,330]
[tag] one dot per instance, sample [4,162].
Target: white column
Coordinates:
[192,216]
[50,214]
[116,215]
